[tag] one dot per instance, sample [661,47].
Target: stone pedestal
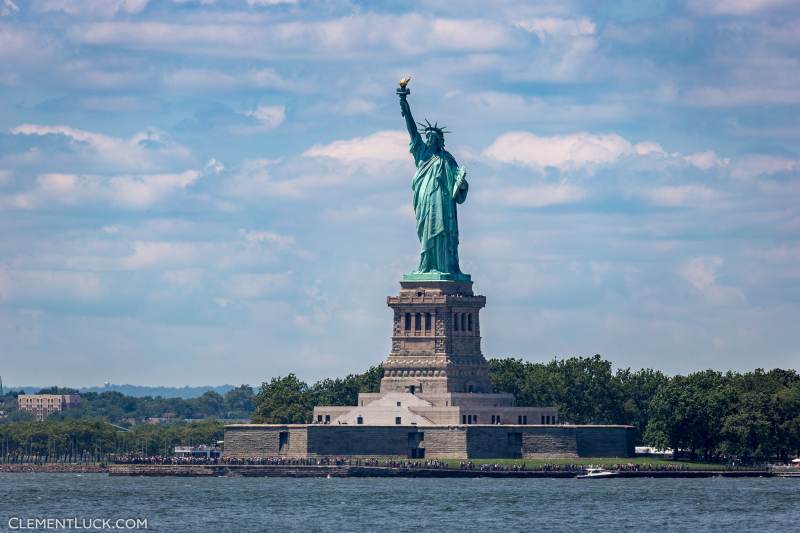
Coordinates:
[436,340]
[435,373]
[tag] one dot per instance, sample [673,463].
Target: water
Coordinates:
[416,505]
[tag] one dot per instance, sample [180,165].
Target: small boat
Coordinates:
[595,472]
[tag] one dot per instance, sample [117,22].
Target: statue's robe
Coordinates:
[436,193]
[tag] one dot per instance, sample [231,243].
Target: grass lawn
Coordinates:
[597,461]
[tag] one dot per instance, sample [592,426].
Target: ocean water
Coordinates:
[173,504]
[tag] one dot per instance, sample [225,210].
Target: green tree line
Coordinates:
[129,410]
[94,440]
[751,416]
[288,400]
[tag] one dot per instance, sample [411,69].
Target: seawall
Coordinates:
[374,471]
[53,468]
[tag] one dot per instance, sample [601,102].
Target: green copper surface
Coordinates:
[439,184]
[436,276]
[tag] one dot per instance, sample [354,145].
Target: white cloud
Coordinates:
[586,151]
[707,160]
[183,278]
[738,96]
[8,8]
[215,80]
[515,107]
[55,285]
[682,195]
[143,191]
[354,106]
[266,237]
[567,47]
[383,146]
[538,195]
[255,286]
[701,273]
[134,192]
[144,150]
[213,166]
[755,165]
[269,116]
[148,254]
[105,8]
[252,3]
[250,37]
[22,49]
[735,7]
[557,27]
[577,151]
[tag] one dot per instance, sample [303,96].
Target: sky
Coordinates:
[204,192]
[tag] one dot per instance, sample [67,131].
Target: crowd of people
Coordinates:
[137,459]
[491,467]
[426,464]
[287,461]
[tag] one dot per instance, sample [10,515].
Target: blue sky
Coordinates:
[219,191]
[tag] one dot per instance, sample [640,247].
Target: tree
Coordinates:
[209,404]
[58,390]
[239,402]
[344,391]
[284,400]
[688,413]
[637,389]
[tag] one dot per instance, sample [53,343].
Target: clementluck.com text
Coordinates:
[20,523]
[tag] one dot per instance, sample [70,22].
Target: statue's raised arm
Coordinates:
[439,185]
[405,109]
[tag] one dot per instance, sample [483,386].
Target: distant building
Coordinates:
[43,405]
[201,451]
[165,418]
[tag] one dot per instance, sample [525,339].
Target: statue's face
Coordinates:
[435,140]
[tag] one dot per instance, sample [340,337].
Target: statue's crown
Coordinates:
[428,127]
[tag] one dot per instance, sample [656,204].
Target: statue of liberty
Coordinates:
[439,184]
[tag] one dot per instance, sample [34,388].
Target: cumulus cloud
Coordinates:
[253,286]
[701,273]
[214,166]
[270,2]
[269,116]
[707,160]
[7,8]
[682,196]
[129,191]
[50,285]
[267,237]
[736,7]
[147,254]
[195,79]
[537,195]
[577,151]
[755,165]
[586,152]
[741,95]
[105,8]
[408,34]
[548,27]
[383,146]
[147,149]
[512,107]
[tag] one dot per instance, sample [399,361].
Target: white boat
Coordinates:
[594,472]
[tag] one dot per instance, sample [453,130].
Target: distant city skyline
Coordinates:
[206,192]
